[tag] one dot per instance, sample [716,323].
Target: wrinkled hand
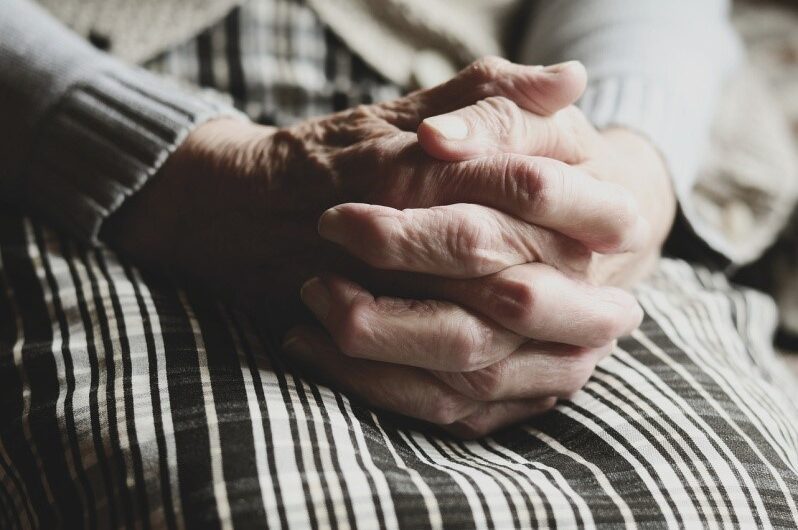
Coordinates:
[236,206]
[469,367]
[468,241]
[491,379]
[498,125]
[482,373]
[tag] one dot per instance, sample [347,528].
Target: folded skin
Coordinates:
[238,202]
[236,207]
[528,380]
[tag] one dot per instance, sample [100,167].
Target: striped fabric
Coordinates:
[128,403]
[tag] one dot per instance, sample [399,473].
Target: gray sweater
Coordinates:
[83,130]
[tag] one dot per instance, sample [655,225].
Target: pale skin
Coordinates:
[494,230]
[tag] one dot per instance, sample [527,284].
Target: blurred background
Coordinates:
[770,31]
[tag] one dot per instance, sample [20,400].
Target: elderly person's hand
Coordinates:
[488,383]
[236,208]
[498,125]
[464,241]
[456,365]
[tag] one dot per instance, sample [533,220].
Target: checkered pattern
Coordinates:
[278,63]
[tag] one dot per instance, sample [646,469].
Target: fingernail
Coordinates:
[449,126]
[559,67]
[297,346]
[315,295]
[331,226]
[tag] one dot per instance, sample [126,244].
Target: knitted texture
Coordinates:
[103,142]
[82,131]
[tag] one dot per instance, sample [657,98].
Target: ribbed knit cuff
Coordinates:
[660,115]
[643,106]
[648,108]
[103,141]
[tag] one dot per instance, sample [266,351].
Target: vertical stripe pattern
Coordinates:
[156,408]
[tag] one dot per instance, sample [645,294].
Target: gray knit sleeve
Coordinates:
[654,66]
[80,131]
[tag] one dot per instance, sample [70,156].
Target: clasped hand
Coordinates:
[493,227]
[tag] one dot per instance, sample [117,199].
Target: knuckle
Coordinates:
[469,243]
[357,123]
[423,308]
[502,105]
[353,332]
[578,259]
[444,407]
[290,136]
[465,236]
[512,299]
[535,185]
[361,113]
[486,383]
[487,69]
[471,345]
[380,236]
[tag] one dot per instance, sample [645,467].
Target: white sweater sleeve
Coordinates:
[654,66]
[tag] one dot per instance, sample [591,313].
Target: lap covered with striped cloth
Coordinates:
[129,403]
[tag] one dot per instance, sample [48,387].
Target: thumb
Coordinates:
[552,89]
[497,124]
[540,90]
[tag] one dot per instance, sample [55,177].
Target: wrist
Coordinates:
[219,146]
[637,165]
[648,179]
[203,175]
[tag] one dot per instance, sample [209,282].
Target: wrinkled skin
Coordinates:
[492,252]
